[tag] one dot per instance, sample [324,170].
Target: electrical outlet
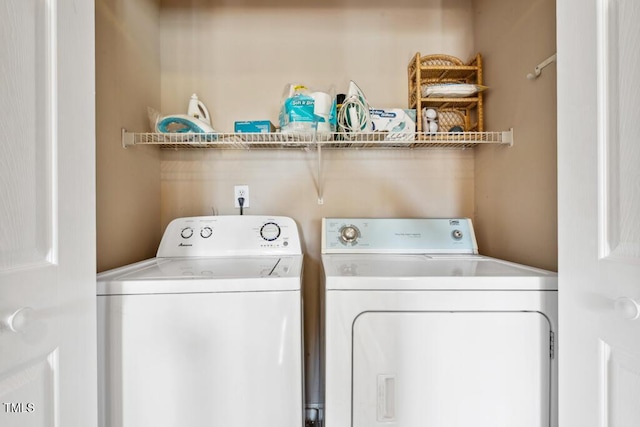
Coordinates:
[241,191]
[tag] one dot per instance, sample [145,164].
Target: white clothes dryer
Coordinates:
[421,330]
[208,333]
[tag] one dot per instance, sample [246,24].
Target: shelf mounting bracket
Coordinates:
[128,139]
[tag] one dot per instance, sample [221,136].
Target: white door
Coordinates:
[599,212]
[47,214]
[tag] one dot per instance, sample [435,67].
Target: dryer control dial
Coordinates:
[457,235]
[270,231]
[349,234]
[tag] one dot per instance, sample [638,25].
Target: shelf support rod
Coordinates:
[319,177]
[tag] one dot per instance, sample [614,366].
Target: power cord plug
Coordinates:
[241,203]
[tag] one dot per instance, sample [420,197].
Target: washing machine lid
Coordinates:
[192,274]
[433,271]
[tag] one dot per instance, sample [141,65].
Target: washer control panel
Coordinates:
[209,236]
[398,235]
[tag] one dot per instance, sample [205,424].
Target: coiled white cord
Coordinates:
[354,115]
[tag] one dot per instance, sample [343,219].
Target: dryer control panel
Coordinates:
[246,235]
[398,235]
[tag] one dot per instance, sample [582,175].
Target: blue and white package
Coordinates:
[303,111]
[298,108]
[399,123]
[254,126]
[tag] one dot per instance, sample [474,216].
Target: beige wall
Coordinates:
[238,58]
[515,190]
[127,181]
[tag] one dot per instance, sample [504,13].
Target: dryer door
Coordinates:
[451,369]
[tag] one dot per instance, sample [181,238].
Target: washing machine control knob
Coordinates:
[186,232]
[206,232]
[270,231]
[349,234]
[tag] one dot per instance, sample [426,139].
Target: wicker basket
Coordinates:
[437,60]
[439,69]
[449,118]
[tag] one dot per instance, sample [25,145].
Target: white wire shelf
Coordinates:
[335,140]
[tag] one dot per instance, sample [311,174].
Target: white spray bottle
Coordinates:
[198,110]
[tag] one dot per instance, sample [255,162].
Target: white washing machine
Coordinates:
[208,333]
[420,330]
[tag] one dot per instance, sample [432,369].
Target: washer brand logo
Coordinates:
[18,407]
[185,244]
[454,222]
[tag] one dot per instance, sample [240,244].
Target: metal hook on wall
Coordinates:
[540,66]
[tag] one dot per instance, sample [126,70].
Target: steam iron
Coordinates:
[358,116]
[354,90]
[182,123]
